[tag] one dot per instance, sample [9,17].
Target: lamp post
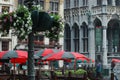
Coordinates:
[31,71]
[41,22]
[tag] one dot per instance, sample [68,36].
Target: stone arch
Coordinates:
[97,22]
[113,35]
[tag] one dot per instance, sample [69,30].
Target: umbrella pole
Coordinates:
[75,64]
[14,69]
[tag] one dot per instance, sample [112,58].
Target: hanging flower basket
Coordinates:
[55,32]
[20,22]
[6,20]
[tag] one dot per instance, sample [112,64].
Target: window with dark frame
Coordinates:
[85,38]
[54,6]
[109,2]
[42,3]
[5,45]
[117,2]
[67,3]
[5,9]
[67,39]
[39,38]
[76,3]
[76,38]
[85,2]
[99,2]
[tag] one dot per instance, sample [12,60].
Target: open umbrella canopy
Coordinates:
[44,52]
[16,56]
[116,60]
[62,55]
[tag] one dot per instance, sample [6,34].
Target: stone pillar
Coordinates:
[104,2]
[72,42]
[104,47]
[47,5]
[61,7]
[46,41]
[113,2]
[91,42]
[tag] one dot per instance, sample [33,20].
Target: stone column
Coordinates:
[72,42]
[46,41]
[61,8]
[113,2]
[47,5]
[91,36]
[104,2]
[91,42]
[104,47]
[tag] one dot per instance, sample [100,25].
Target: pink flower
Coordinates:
[5,20]
[11,19]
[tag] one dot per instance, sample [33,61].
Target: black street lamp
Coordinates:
[41,22]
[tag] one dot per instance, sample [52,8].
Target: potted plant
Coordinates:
[80,72]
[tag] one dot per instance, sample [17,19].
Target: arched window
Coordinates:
[76,38]
[98,35]
[109,2]
[117,2]
[76,3]
[85,2]
[99,2]
[113,36]
[85,37]
[67,38]
[67,3]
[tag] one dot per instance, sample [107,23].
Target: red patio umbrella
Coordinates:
[15,56]
[116,60]
[62,55]
[44,52]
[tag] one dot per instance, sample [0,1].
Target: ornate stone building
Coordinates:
[7,42]
[93,28]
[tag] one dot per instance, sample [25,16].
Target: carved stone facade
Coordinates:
[97,23]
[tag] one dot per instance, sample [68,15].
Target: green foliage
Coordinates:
[67,72]
[22,22]
[55,32]
[58,73]
[80,72]
[46,73]
[6,20]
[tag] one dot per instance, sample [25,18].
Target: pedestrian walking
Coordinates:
[98,70]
